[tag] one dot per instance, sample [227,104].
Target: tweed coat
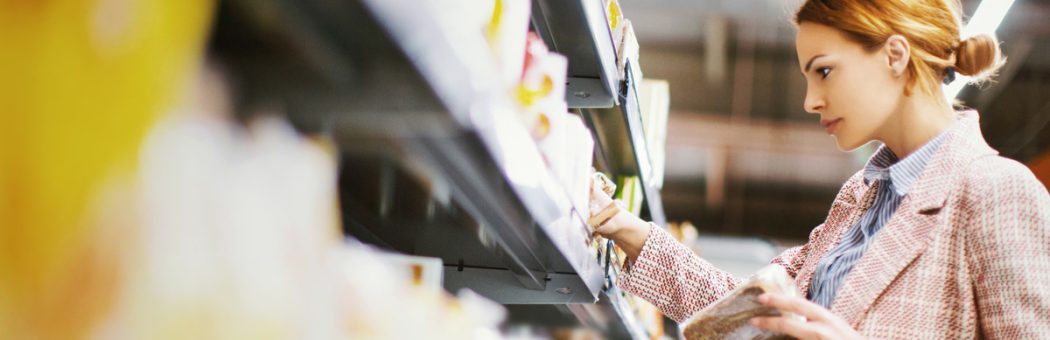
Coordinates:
[966,255]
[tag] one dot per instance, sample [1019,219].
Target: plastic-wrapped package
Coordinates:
[601,202]
[728,317]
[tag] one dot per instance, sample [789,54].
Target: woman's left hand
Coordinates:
[820,323]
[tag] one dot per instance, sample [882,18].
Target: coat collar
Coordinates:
[901,173]
[908,232]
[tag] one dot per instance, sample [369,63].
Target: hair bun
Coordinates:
[978,56]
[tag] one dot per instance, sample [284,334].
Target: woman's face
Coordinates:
[854,90]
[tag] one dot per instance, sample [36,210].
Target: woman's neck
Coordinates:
[918,119]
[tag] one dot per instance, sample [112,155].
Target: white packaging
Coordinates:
[507,32]
[569,151]
[418,270]
[578,182]
[544,76]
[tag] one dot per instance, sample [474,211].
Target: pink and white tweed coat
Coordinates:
[966,255]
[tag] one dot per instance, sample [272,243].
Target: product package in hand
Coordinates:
[728,317]
[602,206]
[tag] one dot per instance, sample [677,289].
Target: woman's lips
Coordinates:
[830,124]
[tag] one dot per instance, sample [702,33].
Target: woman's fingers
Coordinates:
[793,327]
[795,304]
[819,323]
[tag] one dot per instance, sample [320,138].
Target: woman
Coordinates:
[937,237]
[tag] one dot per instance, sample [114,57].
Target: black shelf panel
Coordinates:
[579,30]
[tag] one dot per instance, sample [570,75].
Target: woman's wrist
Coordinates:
[631,234]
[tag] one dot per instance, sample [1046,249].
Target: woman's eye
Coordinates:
[823,72]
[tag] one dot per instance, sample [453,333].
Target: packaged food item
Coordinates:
[615,17]
[543,74]
[506,33]
[630,192]
[628,49]
[601,204]
[728,317]
[419,270]
[578,177]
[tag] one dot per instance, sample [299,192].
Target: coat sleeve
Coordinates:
[680,283]
[673,278]
[1008,249]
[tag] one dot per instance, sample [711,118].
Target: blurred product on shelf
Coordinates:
[82,82]
[684,232]
[506,33]
[728,317]
[629,191]
[238,230]
[655,103]
[614,15]
[541,90]
[419,270]
[563,139]
[648,316]
[568,150]
[381,304]
[575,334]
[240,239]
[628,50]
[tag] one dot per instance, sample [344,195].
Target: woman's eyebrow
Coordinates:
[809,64]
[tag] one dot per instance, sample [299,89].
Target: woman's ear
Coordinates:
[898,54]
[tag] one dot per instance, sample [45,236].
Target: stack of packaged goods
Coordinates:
[240,239]
[624,41]
[532,76]
[563,138]
[538,77]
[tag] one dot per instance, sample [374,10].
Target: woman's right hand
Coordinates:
[627,230]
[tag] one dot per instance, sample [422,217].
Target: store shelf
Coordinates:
[621,144]
[434,160]
[487,162]
[612,304]
[579,30]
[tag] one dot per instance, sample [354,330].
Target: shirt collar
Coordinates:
[901,173]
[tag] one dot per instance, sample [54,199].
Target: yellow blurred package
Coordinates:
[82,81]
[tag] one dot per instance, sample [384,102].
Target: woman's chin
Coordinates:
[846,144]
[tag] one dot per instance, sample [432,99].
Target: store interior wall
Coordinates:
[746,159]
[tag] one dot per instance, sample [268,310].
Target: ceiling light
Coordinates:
[985,20]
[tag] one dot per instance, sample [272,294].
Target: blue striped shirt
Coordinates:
[894,178]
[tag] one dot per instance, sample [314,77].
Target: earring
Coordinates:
[949,75]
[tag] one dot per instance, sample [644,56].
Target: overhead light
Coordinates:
[986,19]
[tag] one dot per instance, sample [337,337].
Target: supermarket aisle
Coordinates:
[394,169]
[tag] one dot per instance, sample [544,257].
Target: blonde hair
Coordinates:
[930,26]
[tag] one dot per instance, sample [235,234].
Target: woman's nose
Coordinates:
[814,102]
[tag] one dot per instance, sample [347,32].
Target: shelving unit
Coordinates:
[609,105]
[621,145]
[579,30]
[434,161]
[489,167]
